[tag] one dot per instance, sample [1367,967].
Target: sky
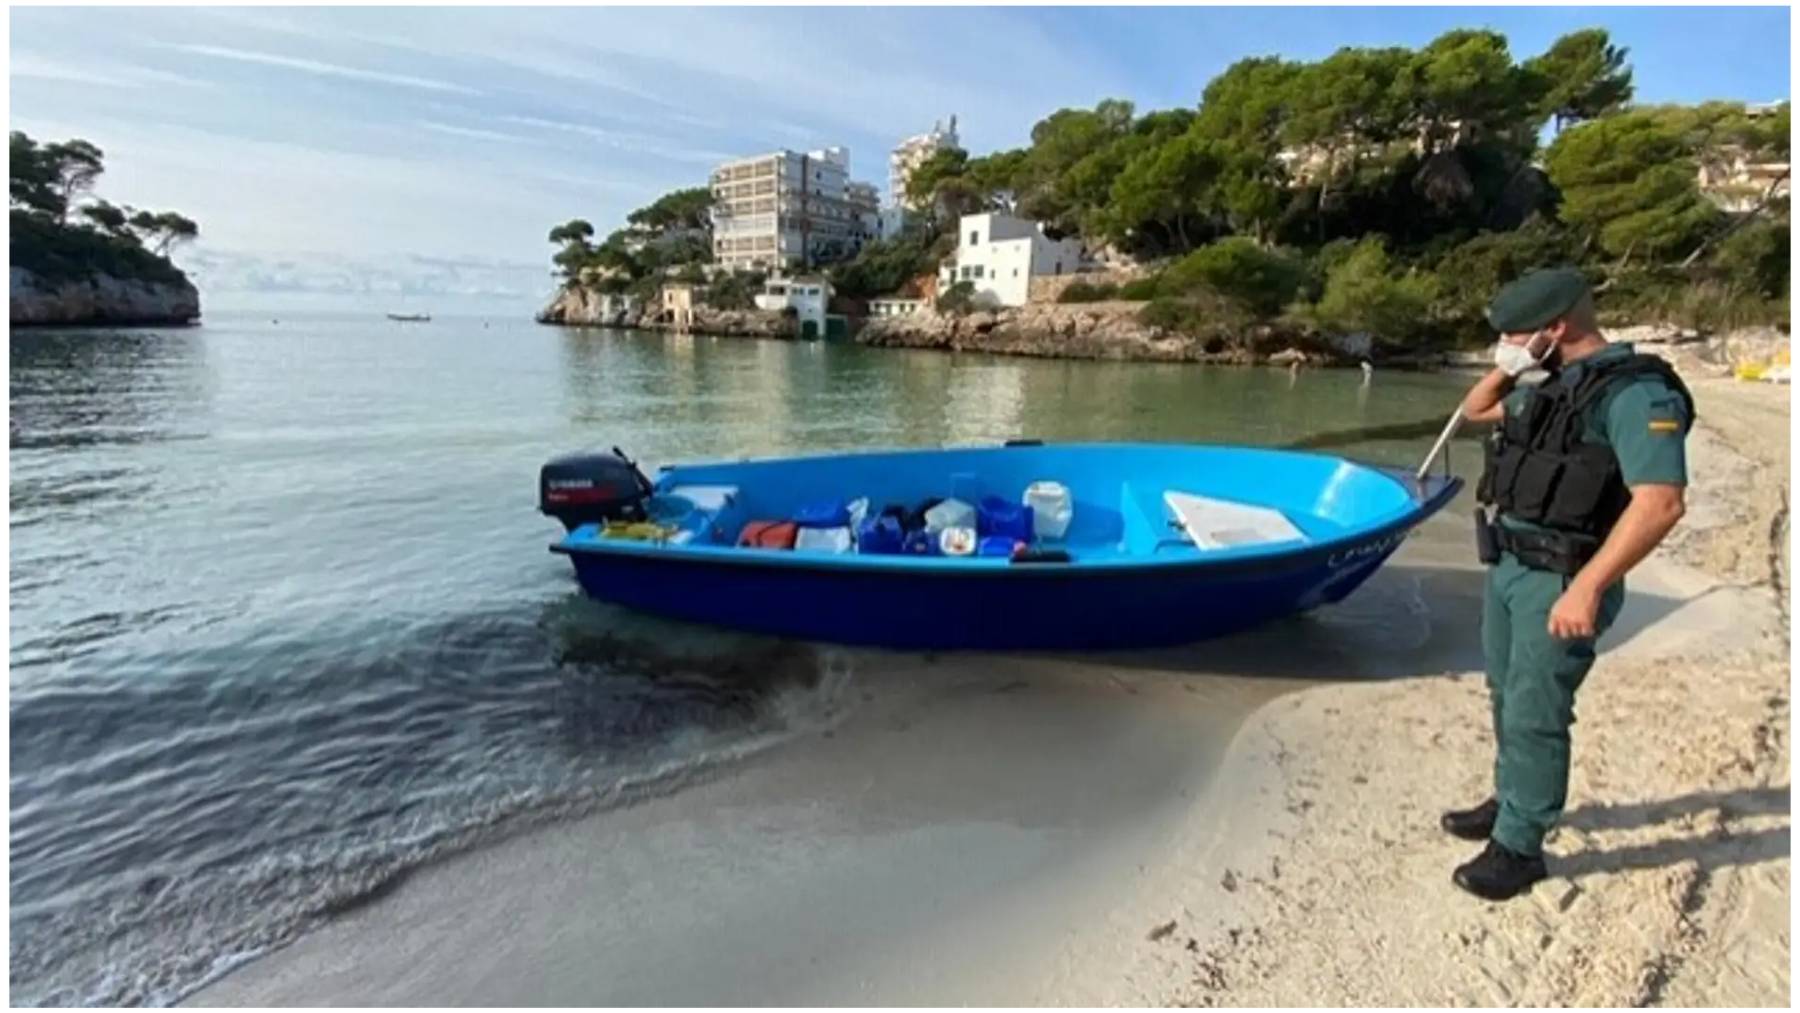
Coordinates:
[389,158]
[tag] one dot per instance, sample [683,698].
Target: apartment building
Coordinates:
[865,212]
[789,208]
[911,153]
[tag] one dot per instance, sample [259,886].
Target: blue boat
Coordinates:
[1136,566]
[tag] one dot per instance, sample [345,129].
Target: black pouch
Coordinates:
[1557,552]
[1487,540]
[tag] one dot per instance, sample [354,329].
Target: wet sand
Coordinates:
[966,822]
[1215,825]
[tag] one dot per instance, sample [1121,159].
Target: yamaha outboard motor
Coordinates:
[592,488]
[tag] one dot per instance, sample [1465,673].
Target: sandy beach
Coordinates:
[1245,823]
[1670,875]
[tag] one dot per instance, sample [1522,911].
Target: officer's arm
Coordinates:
[1652,513]
[1485,401]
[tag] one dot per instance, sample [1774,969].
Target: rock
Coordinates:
[100,299]
[579,306]
[1653,334]
[1351,346]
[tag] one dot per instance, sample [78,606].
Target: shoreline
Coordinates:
[1109,332]
[1191,827]
[1669,877]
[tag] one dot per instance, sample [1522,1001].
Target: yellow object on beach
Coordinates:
[1778,369]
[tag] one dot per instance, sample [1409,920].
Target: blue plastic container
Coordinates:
[880,536]
[998,518]
[996,545]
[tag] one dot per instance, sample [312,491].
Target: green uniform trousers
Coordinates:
[1532,678]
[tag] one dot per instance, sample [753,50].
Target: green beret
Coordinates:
[1536,300]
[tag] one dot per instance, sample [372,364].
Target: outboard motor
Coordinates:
[592,488]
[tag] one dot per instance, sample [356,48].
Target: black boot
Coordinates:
[1472,824]
[1499,873]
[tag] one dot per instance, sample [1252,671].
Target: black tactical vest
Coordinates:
[1540,467]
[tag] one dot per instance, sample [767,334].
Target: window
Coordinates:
[978,270]
[975,238]
[1058,267]
[965,272]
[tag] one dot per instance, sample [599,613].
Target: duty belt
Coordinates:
[1556,551]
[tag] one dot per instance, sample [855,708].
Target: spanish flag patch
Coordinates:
[1665,426]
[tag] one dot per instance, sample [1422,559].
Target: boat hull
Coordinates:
[1021,607]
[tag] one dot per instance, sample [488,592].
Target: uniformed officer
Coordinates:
[1586,473]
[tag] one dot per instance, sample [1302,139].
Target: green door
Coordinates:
[809,330]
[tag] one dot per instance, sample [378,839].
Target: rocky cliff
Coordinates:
[100,299]
[577,306]
[1102,330]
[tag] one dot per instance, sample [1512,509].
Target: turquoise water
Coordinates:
[284,625]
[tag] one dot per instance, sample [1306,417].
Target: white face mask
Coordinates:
[1514,360]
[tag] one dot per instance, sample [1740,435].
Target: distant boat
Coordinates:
[418,318]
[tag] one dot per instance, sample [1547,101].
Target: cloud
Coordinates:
[321,68]
[121,75]
[624,141]
[474,133]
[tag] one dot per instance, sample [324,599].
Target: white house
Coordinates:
[895,307]
[807,297]
[999,254]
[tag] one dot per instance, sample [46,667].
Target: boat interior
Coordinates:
[1137,502]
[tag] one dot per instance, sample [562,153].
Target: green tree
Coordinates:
[939,184]
[1346,108]
[1628,181]
[998,178]
[1758,258]
[1166,186]
[1248,105]
[575,230]
[1364,294]
[680,209]
[32,182]
[1465,85]
[886,266]
[1264,281]
[162,230]
[1051,190]
[1246,110]
[1582,76]
[73,166]
[108,218]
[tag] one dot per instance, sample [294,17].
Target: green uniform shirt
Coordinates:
[1642,418]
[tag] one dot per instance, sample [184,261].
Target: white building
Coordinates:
[999,255]
[889,306]
[678,305]
[911,153]
[788,208]
[806,296]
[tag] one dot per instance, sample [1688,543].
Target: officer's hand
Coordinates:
[1573,615]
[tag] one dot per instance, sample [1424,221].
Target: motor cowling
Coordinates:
[592,488]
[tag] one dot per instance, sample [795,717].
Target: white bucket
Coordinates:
[1052,508]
